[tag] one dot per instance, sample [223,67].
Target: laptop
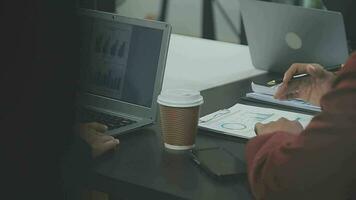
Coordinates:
[122,67]
[279,35]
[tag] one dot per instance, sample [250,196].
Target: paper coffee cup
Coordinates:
[179,109]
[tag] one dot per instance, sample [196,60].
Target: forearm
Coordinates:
[281,164]
[263,159]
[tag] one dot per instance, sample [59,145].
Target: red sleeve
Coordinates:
[320,163]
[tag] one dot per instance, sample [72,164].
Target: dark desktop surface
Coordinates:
[143,168]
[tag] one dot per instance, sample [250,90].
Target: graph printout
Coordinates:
[240,120]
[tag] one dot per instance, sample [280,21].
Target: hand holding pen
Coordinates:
[314,82]
[298,76]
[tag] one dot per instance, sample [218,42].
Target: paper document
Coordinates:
[240,120]
[265,94]
[262,89]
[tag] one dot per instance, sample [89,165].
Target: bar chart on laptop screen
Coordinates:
[109,56]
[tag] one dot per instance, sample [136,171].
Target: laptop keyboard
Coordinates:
[111,121]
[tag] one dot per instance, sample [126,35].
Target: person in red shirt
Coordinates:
[286,162]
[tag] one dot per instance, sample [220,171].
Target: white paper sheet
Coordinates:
[240,120]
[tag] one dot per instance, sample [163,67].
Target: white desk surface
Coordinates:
[200,64]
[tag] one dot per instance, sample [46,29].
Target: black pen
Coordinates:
[278,81]
[298,76]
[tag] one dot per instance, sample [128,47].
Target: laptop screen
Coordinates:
[119,60]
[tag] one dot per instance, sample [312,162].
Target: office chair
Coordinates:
[208,28]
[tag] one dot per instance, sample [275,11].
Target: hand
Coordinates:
[94,134]
[281,124]
[310,88]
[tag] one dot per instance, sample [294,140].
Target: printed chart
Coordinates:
[240,119]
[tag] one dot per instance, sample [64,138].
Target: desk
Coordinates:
[141,168]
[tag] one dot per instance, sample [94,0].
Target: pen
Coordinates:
[278,81]
[298,76]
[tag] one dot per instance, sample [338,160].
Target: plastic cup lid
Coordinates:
[180,98]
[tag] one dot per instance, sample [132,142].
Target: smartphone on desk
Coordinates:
[218,162]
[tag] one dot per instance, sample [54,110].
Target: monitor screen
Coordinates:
[119,60]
